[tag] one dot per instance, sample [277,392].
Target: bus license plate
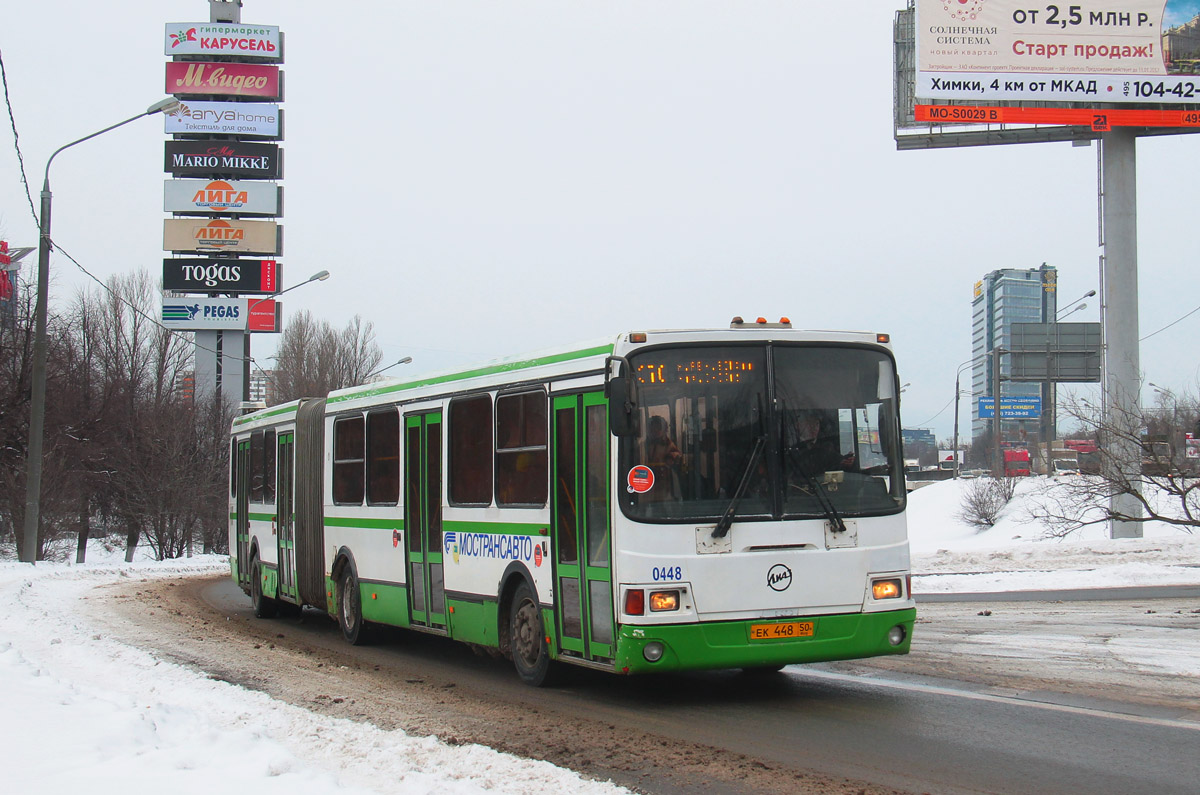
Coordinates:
[788,629]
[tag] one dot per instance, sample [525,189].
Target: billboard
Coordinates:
[223,38]
[207,157]
[219,234]
[1087,53]
[257,119]
[221,314]
[1011,408]
[199,275]
[224,79]
[207,197]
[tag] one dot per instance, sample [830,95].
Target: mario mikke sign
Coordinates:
[1087,52]
[221,314]
[220,158]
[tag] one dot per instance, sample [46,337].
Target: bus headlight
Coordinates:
[652,651]
[664,600]
[890,588]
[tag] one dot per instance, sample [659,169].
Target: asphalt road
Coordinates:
[929,722]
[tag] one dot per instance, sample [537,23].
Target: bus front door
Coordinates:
[242,520]
[423,518]
[583,560]
[284,518]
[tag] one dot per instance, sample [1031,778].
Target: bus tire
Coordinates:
[349,612]
[264,606]
[527,639]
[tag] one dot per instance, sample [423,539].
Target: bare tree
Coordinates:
[1168,487]
[984,498]
[314,359]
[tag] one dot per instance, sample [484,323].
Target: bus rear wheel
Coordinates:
[350,608]
[264,606]
[527,639]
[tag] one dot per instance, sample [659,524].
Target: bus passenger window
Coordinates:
[521,452]
[471,451]
[269,467]
[348,461]
[383,457]
[256,466]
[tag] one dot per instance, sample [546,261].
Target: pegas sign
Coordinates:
[224,38]
[195,275]
[224,79]
[221,314]
[257,119]
[216,158]
[219,234]
[207,197]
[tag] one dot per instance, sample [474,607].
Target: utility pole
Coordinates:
[997,454]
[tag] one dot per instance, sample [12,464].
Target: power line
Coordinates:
[1164,328]
[12,121]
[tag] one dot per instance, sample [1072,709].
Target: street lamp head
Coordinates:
[168,105]
[405,360]
[319,276]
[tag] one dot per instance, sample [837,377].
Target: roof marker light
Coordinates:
[637,336]
[884,338]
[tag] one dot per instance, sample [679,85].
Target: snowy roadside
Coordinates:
[99,715]
[1016,554]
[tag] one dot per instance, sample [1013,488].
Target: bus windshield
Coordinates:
[813,428]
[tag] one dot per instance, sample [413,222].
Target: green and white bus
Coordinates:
[661,501]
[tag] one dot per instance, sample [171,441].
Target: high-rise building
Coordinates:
[262,388]
[1004,297]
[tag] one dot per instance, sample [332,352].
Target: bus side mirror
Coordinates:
[622,416]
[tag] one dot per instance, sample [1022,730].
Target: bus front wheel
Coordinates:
[527,639]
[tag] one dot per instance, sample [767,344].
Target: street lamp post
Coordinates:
[405,360]
[37,394]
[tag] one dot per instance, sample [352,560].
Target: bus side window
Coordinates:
[348,460]
[256,466]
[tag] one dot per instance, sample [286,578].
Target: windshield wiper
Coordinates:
[722,528]
[825,502]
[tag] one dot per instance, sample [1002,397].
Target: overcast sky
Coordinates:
[488,178]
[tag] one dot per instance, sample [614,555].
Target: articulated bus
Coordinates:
[661,501]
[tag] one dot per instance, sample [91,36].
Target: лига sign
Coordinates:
[208,197]
[219,234]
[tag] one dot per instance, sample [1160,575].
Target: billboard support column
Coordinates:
[1118,279]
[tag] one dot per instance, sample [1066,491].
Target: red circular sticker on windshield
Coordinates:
[640,479]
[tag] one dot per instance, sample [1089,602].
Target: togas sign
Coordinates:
[198,275]
[208,197]
[216,158]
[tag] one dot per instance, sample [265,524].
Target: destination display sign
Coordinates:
[210,197]
[257,119]
[222,314]
[216,158]
[192,78]
[219,234]
[200,275]
[263,42]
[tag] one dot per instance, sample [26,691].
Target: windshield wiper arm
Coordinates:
[826,503]
[723,525]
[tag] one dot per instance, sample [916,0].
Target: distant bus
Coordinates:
[638,505]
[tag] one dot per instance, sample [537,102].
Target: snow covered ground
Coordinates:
[88,713]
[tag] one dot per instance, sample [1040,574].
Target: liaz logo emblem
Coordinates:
[779,578]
